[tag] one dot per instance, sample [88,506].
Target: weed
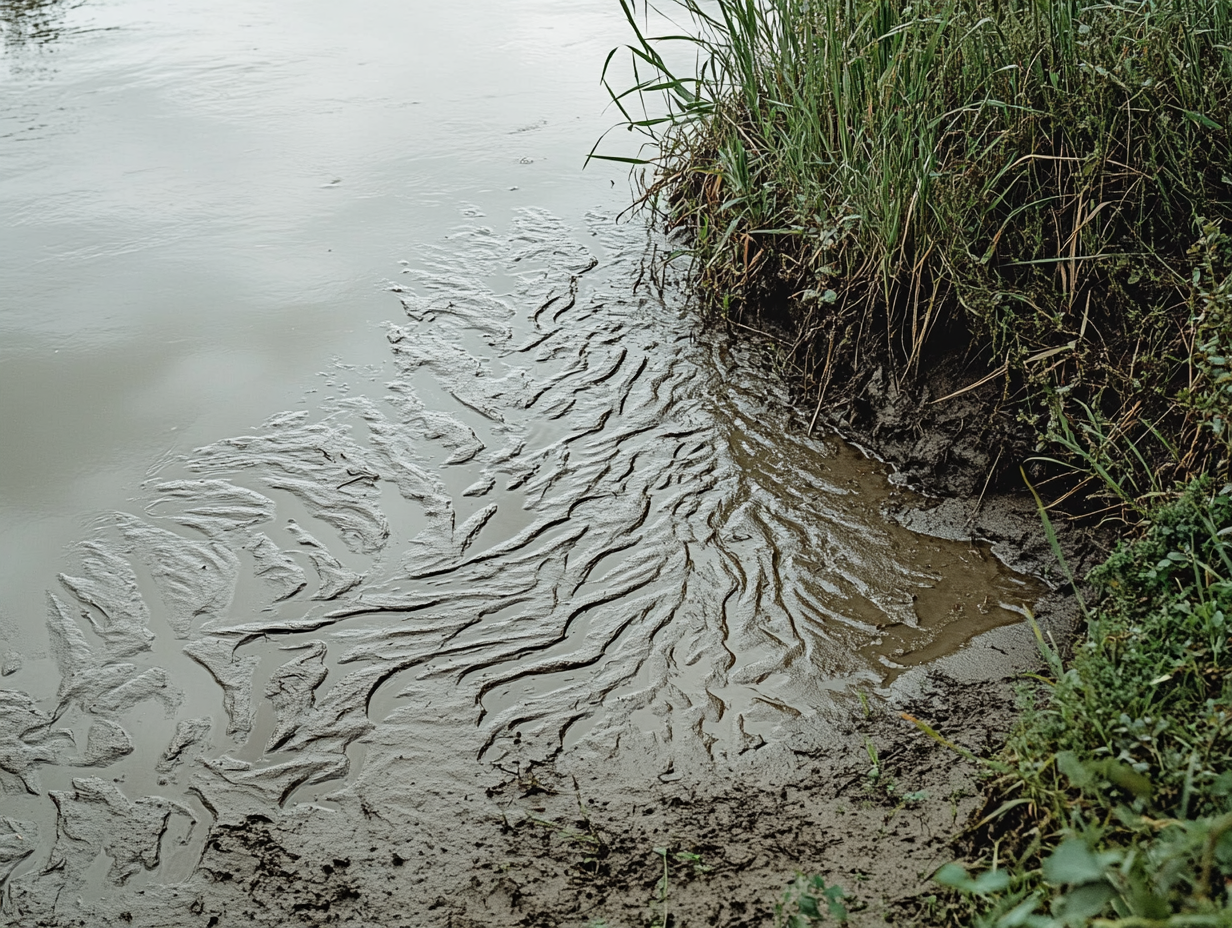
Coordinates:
[592,843]
[909,801]
[874,772]
[808,901]
[693,864]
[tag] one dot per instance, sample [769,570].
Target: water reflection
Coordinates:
[34,23]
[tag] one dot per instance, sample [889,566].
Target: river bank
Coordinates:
[987,242]
[550,600]
[465,641]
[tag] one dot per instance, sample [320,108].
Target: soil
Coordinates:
[575,845]
[572,848]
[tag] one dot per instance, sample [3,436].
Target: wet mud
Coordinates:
[468,638]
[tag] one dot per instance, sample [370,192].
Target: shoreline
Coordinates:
[421,803]
[906,199]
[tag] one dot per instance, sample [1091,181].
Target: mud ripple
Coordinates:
[565,520]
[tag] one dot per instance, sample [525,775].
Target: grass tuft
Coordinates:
[1023,176]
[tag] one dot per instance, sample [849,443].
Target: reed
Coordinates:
[1026,177]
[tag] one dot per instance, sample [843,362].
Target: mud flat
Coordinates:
[463,644]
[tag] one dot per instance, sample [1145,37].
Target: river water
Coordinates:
[352,449]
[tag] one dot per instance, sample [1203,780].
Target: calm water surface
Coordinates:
[202,203]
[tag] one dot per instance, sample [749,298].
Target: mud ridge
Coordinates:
[568,548]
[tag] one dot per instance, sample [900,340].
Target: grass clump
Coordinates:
[1115,792]
[1020,179]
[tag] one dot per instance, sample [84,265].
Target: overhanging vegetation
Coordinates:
[1044,187]
[1028,177]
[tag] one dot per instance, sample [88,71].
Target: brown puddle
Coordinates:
[971,594]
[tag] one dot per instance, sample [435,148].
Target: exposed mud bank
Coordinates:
[571,843]
[567,581]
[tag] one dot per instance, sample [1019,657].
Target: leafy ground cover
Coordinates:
[1043,189]
[1113,795]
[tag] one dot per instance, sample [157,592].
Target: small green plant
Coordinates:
[1138,885]
[692,862]
[663,890]
[808,901]
[1112,803]
[695,862]
[877,787]
[908,801]
[591,842]
[874,772]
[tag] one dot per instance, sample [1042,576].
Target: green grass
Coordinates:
[1022,176]
[1114,793]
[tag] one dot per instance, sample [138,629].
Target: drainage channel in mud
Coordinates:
[561,519]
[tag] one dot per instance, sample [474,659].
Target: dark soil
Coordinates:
[947,426]
[834,820]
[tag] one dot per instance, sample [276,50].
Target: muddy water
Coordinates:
[336,566]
